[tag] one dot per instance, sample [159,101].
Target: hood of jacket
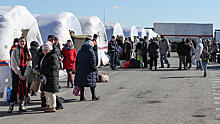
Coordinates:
[68,48]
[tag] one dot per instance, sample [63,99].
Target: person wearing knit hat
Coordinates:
[49,67]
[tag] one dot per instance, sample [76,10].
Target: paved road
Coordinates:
[136,96]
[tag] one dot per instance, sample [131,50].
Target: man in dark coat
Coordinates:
[182,50]
[145,44]
[86,70]
[127,50]
[49,67]
[113,52]
[153,53]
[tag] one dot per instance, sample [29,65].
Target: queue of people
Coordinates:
[44,62]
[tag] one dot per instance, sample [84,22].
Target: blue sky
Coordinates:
[141,13]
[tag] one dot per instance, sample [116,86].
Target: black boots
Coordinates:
[205,74]
[11,107]
[94,97]
[21,107]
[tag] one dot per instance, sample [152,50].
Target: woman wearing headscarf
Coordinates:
[86,69]
[21,62]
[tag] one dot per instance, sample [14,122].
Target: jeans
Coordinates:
[165,57]
[204,64]
[182,60]
[198,64]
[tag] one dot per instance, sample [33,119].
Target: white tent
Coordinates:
[13,20]
[113,29]
[141,32]
[151,34]
[93,25]
[130,32]
[59,25]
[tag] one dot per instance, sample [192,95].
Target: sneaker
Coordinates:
[168,66]
[161,67]
[205,75]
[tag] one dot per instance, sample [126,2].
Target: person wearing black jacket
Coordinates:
[145,52]
[113,52]
[86,70]
[182,50]
[49,67]
[153,53]
[127,51]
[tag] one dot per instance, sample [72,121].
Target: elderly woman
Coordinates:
[49,67]
[21,66]
[86,69]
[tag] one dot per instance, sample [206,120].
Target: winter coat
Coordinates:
[15,63]
[49,67]
[69,54]
[86,69]
[127,50]
[112,47]
[214,48]
[164,46]
[57,51]
[199,48]
[153,50]
[34,53]
[205,56]
[182,49]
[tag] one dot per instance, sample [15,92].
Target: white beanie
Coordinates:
[47,46]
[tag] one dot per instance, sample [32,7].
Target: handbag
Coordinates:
[76,91]
[103,77]
[36,85]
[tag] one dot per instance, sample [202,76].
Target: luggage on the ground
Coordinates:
[59,102]
[134,63]
[122,63]
[103,77]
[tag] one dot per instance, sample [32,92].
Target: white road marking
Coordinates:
[216,94]
[217,103]
[216,98]
[217,109]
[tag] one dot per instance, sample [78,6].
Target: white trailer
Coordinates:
[177,31]
[217,36]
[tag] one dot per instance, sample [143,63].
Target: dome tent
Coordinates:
[151,34]
[113,29]
[130,32]
[141,32]
[59,25]
[15,21]
[93,25]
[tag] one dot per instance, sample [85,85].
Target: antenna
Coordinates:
[104,10]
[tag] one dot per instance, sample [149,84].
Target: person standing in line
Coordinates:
[69,54]
[145,45]
[15,44]
[86,70]
[127,50]
[95,48]
[49,67]
[205,56]
[21,62]
[153,53]
[182,50]
[139,51]
[113,52]
[164,50]
[190,53]
[58,51]
[199,48]
[214,50]
[34,49]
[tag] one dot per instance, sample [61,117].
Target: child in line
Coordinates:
[205,56]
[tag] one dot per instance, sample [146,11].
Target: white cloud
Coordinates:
[117,7]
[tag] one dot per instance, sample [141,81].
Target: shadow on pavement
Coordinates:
[217,67]
[70,100]
[178,77]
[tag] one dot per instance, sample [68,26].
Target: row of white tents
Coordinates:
[16,21]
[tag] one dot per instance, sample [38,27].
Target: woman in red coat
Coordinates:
[69,53]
